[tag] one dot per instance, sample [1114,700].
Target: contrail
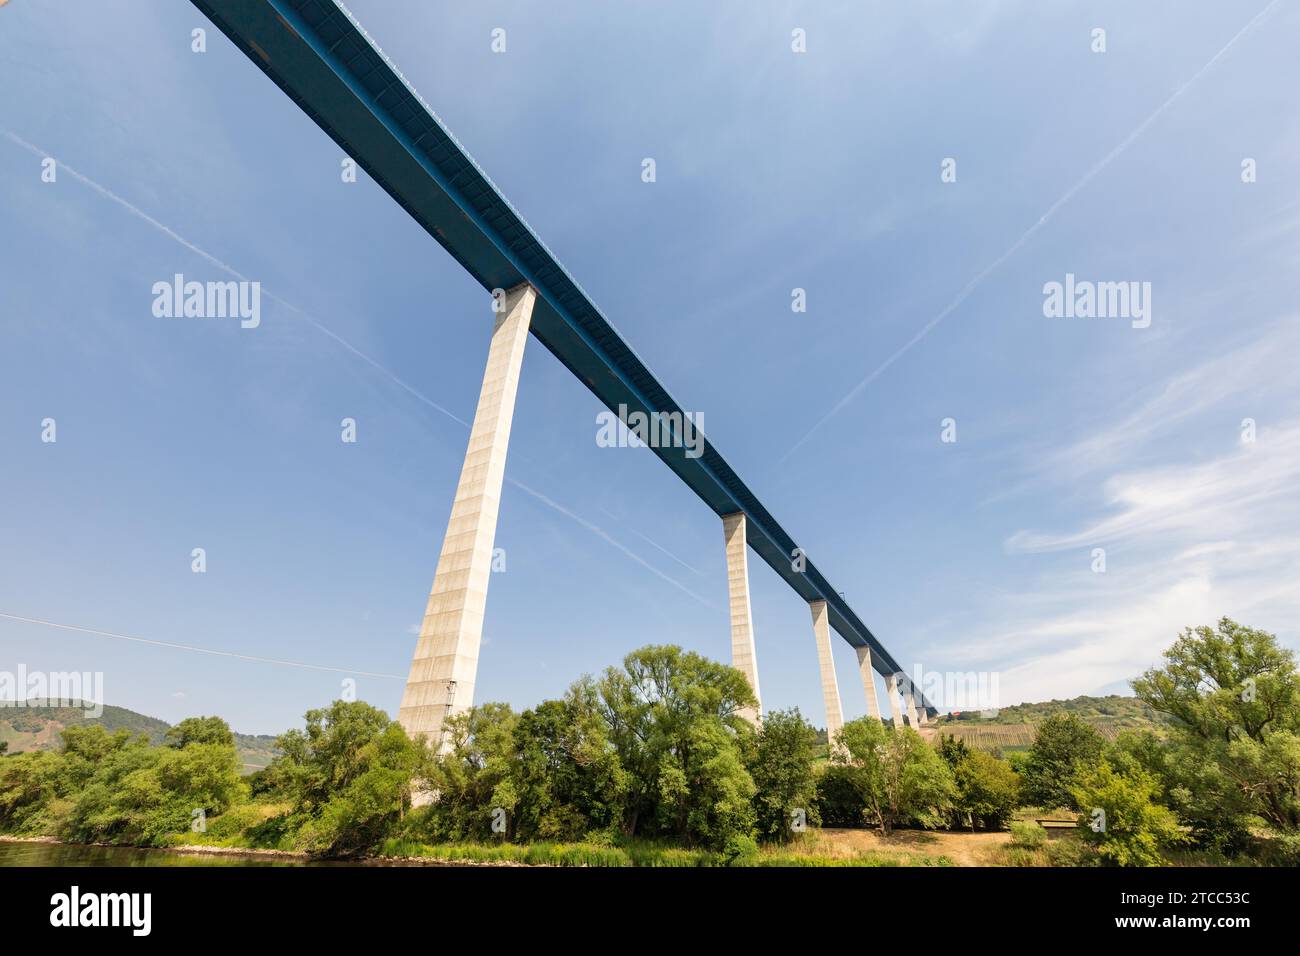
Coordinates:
[197,650]
[1029,234]
[231,270]
[600,532]
[655,544]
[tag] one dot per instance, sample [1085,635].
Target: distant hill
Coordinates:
[1013,727]
[38,728]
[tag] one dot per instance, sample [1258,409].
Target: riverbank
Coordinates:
[834,848]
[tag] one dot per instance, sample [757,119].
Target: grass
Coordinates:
[637,853]
[250,826]
[550,854]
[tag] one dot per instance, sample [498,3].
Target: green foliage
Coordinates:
[30,787]
[1121,817]
[1231,683]
[200,730]
[1028,835]
[103,787]
[896,775]
[673,719]
[656,749]
[35,727]
[1063,746]
[740,850]
[953,750]
[838,801]
[988,790]
[566,775]
[1234,695]
[781,765]
[349,775]
[651,764]
[1207,800]
[474,776]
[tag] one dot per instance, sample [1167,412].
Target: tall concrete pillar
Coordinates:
[743,656]
[830,686]
[868,681]
[909,700]
[441,682]
[891,697]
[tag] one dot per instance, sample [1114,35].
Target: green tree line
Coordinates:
[656,750]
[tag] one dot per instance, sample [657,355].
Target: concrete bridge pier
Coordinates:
[868,681]
[909,701]
[443,670]
[891,698]
[826,663]
[743,656]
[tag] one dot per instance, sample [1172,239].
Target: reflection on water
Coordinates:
[63,854]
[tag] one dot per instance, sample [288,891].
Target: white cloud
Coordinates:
[1211,529]
[1240,494]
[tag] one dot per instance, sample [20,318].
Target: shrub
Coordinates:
[1121,819]
[837,799]
[1028,835]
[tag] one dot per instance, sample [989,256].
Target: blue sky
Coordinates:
[775,170]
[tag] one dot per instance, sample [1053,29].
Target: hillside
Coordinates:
[1013,728]
[38,728]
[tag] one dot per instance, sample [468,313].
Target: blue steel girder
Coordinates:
[326,63]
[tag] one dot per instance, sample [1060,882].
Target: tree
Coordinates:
[1121,817]
[1062,747]
[988,790]
[705,793]
[1234,694]
[200,730]
[350,775]
[126,791]
[565,772]
[1206,800]
[655,748]
[1226,684]
[356,818]
[673,719]
[30,783]
[782,767]
[839,802]
[325,756]
[952,749]
[474,777]
[897,775]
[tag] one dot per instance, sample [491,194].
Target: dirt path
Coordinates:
[963,849]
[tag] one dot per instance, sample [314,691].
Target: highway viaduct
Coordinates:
[321,57]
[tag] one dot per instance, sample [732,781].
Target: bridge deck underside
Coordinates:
[328,66]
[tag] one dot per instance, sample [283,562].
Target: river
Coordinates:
[74,854]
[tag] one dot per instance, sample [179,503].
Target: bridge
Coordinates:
[322,58]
